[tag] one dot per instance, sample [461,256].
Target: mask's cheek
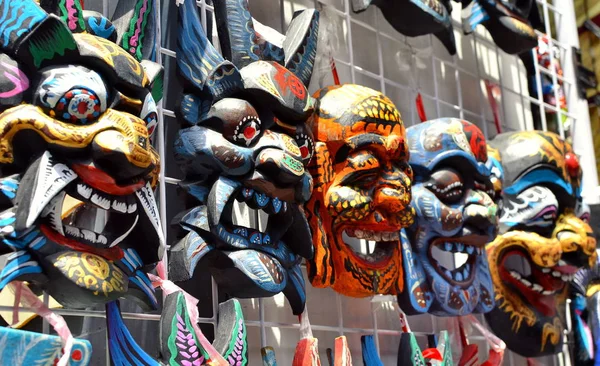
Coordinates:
[433,214]
[347,204]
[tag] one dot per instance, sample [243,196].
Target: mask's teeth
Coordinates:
[43,180]
[120,238]
[54,213]
[146,199]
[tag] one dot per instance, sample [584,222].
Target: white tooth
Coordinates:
[100,201]
[132,208]
[546,270]
[52,177]
[538,288]
[547,292]
[525,282]
[146,198]
[102,239]
[84,190]
[55,214]
[562,263]
[120,238]
[72,231]
[376,236]
[359,234]
[565,278]
[556,274]
[516,275]
[119,206]
[396,236]
[89,235]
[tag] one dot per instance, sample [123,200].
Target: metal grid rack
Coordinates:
[366,52]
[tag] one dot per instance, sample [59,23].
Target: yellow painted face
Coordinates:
[544,239]
[76,126]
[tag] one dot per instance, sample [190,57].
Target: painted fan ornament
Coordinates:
[245,140]
[453,195]
[543,241]
[77,111]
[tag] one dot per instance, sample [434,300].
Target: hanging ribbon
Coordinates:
[420,108]
[493,90]
[30,300]
[191,302]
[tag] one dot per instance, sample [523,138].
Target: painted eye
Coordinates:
[74,94]
[149,114]
[247,130]
[78,106]
[307,147]
[447,185]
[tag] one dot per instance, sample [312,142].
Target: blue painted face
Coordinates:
[453,195]
[246,140]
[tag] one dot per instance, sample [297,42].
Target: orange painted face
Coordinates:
[362,191]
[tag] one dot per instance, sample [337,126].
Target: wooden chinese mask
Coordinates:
[248,141]
[453,197]
[510,23]
[362,191]
[542,241]
[416,17]
[77,112]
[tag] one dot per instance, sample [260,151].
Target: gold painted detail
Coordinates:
[92,272]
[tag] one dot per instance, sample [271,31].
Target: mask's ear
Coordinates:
[320,269]
[70,12]
[135,21]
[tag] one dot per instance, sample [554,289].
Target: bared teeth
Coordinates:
[119,206]
[84,190]
[373,235]
[100,201]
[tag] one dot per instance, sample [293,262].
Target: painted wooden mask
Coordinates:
[415,18]
[510,23]
[247,141]
[77,112]
[362,191]
[453,196]
[542,241]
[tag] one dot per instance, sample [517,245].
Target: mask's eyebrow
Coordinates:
[362,141]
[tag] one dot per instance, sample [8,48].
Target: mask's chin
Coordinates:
[454,258]
[377,249]
[538,286]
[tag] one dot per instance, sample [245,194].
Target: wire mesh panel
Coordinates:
[367,51]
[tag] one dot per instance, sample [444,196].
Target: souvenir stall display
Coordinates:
[281,185]
[541,244]
[361,191]
[245,140]
[443,253]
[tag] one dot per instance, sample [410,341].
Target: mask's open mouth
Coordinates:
[454,258]
[538,285]
[280,232]
[75,213]
[91,217]
[373,248]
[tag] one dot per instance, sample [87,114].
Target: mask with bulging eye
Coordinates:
[77,114]
[79,169]
[544,239]
[362,192]
[245,142]
[453,197]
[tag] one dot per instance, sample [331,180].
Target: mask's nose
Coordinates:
[123,150]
